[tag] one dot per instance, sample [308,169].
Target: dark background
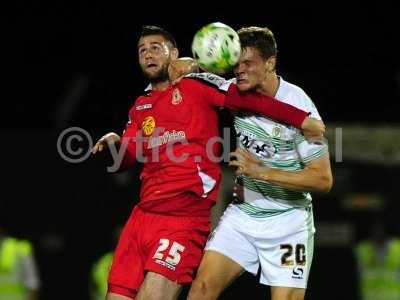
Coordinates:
[75,64]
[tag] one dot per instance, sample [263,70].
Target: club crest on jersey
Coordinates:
[148,125]
[176,97]
[277,131]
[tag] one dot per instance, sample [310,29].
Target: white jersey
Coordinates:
[278,146]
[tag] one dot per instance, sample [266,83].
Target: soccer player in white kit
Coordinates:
[271,226]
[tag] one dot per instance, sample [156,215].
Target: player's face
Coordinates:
[154,57]
[251,69]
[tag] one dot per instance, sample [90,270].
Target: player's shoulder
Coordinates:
[144,97]
[140,103]
[295,92]
[296,96]
[208,79]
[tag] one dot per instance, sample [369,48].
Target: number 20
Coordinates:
[300,255]
[174,253]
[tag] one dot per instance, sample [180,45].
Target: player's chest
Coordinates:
[170,110]
[263,136]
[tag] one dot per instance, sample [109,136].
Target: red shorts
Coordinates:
[168,245]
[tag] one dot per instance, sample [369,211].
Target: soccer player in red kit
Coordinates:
[170,128]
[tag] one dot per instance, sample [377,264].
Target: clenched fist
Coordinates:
[105,141]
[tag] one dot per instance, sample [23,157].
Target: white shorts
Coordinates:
[282,244]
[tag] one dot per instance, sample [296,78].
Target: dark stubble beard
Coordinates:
[161,76]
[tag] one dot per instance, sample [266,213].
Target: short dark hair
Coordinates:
[260,38]
[155,30]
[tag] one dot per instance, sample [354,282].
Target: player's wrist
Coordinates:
[263,174]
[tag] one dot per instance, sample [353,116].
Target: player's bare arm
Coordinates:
[315,177]
[181,67]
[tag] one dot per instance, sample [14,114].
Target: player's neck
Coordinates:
[160,86]
[270,85]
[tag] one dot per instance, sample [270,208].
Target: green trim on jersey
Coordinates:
[274,191]
[315,155]
[258,212]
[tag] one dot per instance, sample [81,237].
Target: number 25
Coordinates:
[174,253]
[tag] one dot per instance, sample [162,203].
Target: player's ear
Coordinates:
[174,53]
[271,63]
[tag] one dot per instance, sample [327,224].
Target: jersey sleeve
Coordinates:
[213,87]
[310,150]
[268,106]
[129,140]
[309,105]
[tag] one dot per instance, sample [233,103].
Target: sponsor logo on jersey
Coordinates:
[165,264]
[176,97]
[144,106]
[167,137]
[148,125]
[261,149]
[297,273]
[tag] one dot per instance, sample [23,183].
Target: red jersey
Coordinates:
[171,131]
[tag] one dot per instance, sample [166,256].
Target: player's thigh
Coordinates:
[218,269]
[158,287]
[287,293]
[229,252]
[215,273]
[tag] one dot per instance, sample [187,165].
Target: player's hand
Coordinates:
[105,141]
[247,164]
[180,67]
[313,128]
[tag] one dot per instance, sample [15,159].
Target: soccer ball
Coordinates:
[216,48]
